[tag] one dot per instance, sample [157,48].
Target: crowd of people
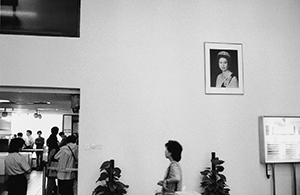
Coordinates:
[62,157]
[61,162]
[30,143]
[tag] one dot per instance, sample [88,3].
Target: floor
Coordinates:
[34,184]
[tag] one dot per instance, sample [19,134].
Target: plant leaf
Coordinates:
[111,186]
[216,161]
[99,190]
[103,176]
[208,180]
[212,187]
[105,165]
[220,168]
[117,172]
[220,183]
[205,172]
[121,185]
[222,177]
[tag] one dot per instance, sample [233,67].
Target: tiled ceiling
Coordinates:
[28,99]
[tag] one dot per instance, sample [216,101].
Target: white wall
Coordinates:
[140,68]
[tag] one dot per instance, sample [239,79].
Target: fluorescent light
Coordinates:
[4,101]
[18,13]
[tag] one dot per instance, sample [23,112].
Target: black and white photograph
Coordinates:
[223,68]
[43,18]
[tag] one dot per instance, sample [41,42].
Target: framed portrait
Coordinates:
[42,18]
[223,68]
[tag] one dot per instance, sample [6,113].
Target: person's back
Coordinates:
[67,157]
[16,166]
[53,148]
[20,135]
[52,141]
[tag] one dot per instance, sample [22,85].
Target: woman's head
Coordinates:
[16,145]
[224,60]
[71,139]
[175,149]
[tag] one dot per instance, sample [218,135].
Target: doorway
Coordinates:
[37,109]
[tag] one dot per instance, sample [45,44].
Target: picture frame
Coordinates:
[40,18]
[224,72]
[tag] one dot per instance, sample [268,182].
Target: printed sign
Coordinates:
[279,139]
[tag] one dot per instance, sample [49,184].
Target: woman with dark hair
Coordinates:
[16,167]
[172,181]
[67,157]
[226,78]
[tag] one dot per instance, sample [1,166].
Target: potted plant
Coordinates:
[109,183]
[213,181]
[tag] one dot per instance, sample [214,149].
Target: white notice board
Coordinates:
[279,138]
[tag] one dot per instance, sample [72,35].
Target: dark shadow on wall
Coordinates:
[45,18]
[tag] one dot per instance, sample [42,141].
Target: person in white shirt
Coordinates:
[16,167]
[29,141]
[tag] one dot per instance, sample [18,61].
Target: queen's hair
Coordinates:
[226,55]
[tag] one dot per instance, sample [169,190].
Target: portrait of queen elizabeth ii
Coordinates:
[223,69]
[226,78]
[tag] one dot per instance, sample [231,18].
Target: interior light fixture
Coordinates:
[37,114]
[4,114]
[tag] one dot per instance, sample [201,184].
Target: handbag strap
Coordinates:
[73,154]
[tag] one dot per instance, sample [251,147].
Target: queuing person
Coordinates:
[29,141]
[16,167]
[52,141]
[20,135]
[77,137]
[53,148]
[67,157]
[39,142]
[63,139]
[172,181]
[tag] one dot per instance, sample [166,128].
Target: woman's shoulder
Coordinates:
[71,145]
[175,164]
[219,75]
[175,168]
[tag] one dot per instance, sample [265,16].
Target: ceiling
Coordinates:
[33,99]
